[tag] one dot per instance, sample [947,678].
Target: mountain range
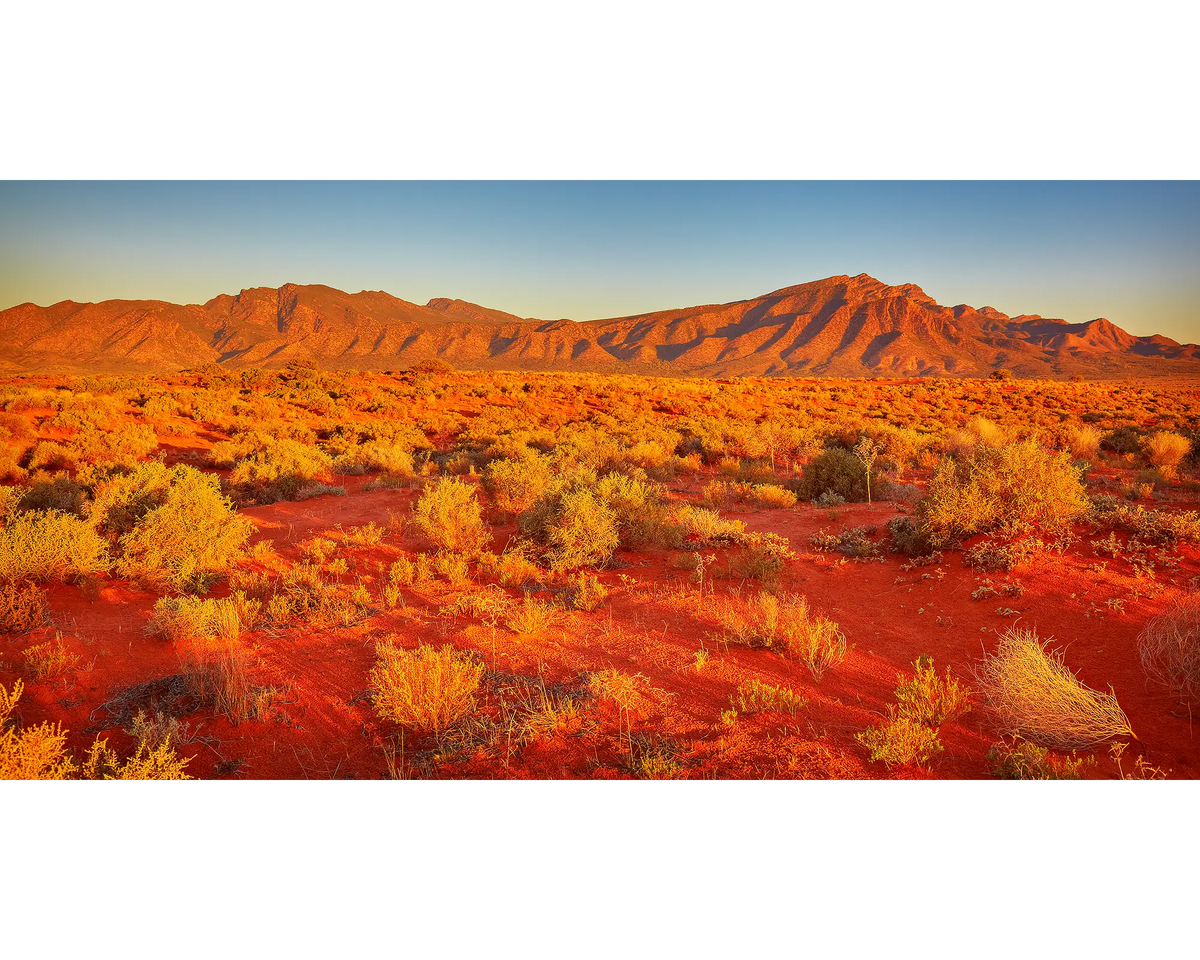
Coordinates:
[838,327]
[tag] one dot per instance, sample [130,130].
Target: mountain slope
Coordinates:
[840,326]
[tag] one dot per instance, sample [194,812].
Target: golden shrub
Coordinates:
[426,688]
[1016,483]
[584,533]
[448,514]
[1166,451]
[46,545]
[185,537]
[33,753]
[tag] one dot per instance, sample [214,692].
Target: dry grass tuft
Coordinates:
[49,660]
[1170,648]
[1034,694]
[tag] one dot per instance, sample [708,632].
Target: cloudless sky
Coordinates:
[1129,251]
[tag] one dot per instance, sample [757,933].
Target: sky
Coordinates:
[1128,250]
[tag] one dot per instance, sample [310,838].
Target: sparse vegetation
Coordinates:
[647,513]
[786,624]
[1019,759]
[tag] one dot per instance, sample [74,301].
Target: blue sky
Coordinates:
[1129,251]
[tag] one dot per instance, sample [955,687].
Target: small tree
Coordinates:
[867,450]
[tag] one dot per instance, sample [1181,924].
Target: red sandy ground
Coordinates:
[323,725]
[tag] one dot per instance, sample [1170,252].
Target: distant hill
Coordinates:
[840,326]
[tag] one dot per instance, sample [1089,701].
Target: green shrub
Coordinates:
[62,494]
[907,537]
[1022,760]
[900,740]
[930,699]
[837,471]
[1123,440]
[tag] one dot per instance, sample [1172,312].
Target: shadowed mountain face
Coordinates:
[841,326]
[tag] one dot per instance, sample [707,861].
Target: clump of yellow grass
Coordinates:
[1032,693]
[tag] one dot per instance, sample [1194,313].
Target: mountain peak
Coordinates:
[840,326]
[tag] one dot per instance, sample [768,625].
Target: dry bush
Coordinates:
[426,688]
[516,485]
[1166,451]
[1169,648]
[1033,694]
[923,704]
[390,458]
[753,696]
[1020,483]
[175,527]
[512,568]
[704,528]
[278,468]
[216,672]
[762,557]
[185,618]
[533,616]
[206,637]
[32,753]
[22,606]
[584,532]
[453,566]
[587,592]
[45,546]
[771,496]
[449,516]
[154,759]
[1084,442]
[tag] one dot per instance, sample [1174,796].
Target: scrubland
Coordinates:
[299,574]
